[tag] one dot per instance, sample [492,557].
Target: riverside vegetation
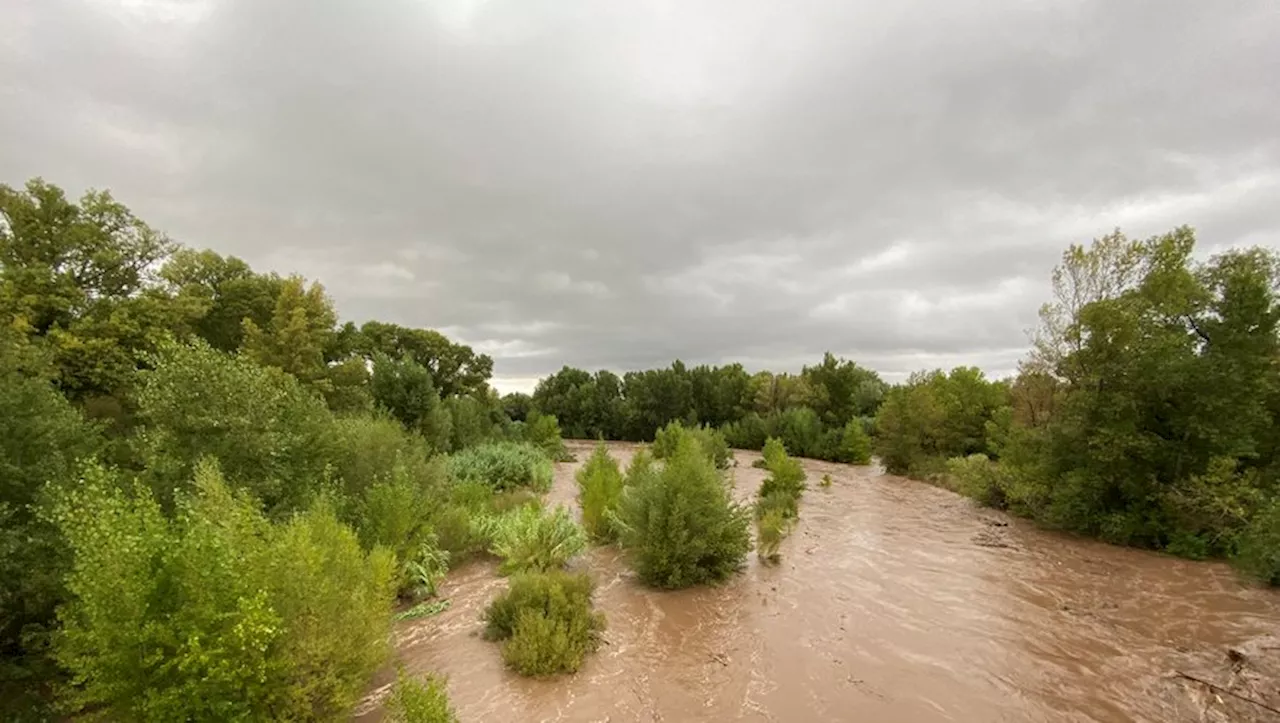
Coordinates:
[214,496]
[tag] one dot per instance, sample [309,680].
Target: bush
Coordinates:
[546,621]
[785,483]
[269,434]
[979,478]
[528,539]
[711,441]
[370,449]
[426,568]
[1258,548]
[680,526]
[599,489]
[396,514]
[771,528]
[640,468]
[419,701]
[216,614]
[503,466]
[543,432]
[855,445]
[749,432]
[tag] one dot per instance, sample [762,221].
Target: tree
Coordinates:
[842,390]
[229,291]
[300,330]
[455,368]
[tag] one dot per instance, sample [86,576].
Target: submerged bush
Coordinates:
[783,487]
[528,539]
[216,614]
[771,528]
[503,466]
[419,701]
[599,490]
[710,440]
[978,477]
[546,621]
[680,526]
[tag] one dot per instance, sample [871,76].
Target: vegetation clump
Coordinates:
[419,701]
[546,622]
[239,618]
[778,499]
[530,540]
[711,441]
[600,484]
[503,466]
[680,526]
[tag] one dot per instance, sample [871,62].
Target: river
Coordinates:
[894,601]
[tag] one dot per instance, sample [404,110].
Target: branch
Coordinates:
[1231,693]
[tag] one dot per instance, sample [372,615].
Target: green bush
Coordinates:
[419,701]
[785,483]
[216,614]
[749,432]
[640,468]
[425,569]
[1258,547]
[503,466]
[269,434]
[396,513]
[979,478]
[855,445]
[771,528]
[680,526]
[543,432]
[599,489]
[711,441]
[528,539]
[369,449]
[546,621]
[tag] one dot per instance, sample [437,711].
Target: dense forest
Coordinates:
[215,497]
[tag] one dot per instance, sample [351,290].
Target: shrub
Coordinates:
[427,568]
[1258,547]
[269,434]
[749,432]
[680,526]
[599,489]
[527,539]
[546,621]
[711,441]
[785,483]
[855,445]
[771,528]
[543,432]
[641,467]
[395,513]
[979,478]
[216,614]
[802,432]
[826,481]
[370,449]
[419,701]
[503,466]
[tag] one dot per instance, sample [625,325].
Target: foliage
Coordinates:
[935,416]
[771,528]
[855,445]
[528,539]
[600,485]
[547,622]
[784,485]
[1258,550]
[978,477]
[825,482]
[298,334]
[680,526]
[424,609]
[427,568]
[710,440]
[503,466]
[269,435]
[455,369]
[215,614]
[419,701]
[404,389]
[543,432]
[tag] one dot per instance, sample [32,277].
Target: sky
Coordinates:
[616,185]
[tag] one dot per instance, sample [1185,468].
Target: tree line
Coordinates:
[824,412]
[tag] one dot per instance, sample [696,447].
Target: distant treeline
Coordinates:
[809,411]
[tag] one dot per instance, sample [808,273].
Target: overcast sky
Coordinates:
[610,184]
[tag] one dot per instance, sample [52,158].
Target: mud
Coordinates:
[895,601]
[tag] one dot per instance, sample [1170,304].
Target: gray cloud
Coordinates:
[611,185]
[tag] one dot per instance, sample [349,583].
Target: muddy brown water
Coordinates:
[894,601]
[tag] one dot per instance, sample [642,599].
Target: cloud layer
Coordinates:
[619,184]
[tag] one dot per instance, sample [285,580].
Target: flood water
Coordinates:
[894,601]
